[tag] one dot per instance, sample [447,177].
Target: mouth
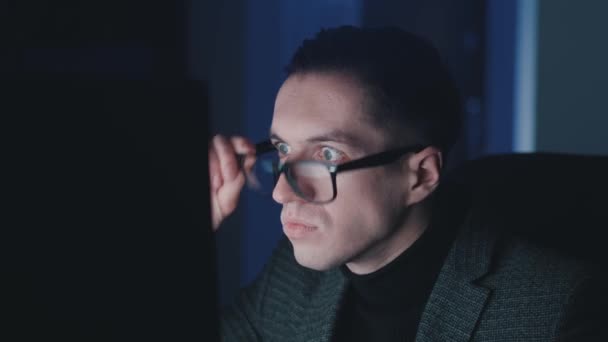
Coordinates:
[297,229]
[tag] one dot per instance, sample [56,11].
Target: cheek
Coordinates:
[364,205]
[374,187]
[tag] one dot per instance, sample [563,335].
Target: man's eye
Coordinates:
[283,148]
[331,155]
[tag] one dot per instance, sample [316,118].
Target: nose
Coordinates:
[282,192]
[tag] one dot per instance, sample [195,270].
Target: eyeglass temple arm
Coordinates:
[260,148]
[264,147]
[378,159]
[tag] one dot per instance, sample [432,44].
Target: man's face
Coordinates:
[320,116]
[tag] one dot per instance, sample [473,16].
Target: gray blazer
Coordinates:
[490,288]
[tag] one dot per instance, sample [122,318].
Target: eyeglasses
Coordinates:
[313,181]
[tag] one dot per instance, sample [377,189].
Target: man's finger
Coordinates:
[215,175]
[242,145]
[227,158]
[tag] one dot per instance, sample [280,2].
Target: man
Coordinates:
[361,128]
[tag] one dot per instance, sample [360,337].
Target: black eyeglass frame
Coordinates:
[376,159]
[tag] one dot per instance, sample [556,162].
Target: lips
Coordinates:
[298,224]
[295,229]
[288,217]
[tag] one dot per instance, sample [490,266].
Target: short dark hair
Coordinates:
[411,93]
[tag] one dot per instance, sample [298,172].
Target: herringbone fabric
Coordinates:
[489,289]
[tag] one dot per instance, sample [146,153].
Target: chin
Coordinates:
[314,261]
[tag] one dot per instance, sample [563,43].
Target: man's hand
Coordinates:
[226,174]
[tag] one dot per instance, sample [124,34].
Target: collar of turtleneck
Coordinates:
[407,280]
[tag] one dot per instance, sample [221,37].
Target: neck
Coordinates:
[391,246]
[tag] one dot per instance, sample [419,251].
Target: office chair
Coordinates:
[555,200]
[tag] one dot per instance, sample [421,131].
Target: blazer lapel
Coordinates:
[456,301]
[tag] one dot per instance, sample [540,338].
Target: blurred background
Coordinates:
[532,73]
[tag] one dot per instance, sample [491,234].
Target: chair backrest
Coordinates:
[556,200]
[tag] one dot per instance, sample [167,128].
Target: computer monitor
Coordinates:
[108,225]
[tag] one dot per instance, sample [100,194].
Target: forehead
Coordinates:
[318,104]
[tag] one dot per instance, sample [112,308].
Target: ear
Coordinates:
[424,171]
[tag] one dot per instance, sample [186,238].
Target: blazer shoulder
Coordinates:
[522,260]
[535,287]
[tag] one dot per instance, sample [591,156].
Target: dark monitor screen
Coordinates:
[107,219]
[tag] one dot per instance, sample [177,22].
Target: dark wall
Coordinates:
[109,40]
[572,113]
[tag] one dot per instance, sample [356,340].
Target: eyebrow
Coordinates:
[336,135]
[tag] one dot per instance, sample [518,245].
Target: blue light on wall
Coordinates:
[501,39]
[511,76]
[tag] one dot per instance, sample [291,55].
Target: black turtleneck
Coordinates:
[386,305]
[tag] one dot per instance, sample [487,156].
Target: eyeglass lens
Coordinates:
[311,180]
[308,179]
